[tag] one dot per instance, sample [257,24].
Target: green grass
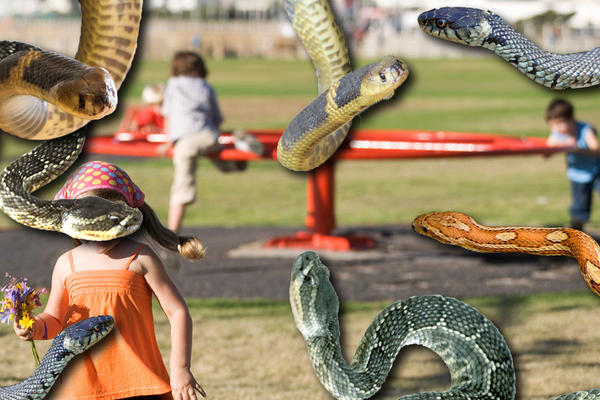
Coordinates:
[475,95]
[247,349]
[483,94]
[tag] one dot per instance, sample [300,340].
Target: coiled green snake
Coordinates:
[74,340]
[474,27]
[45,95]
[477,356]
[319,129]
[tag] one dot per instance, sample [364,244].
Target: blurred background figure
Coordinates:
[583,163]
[149,117]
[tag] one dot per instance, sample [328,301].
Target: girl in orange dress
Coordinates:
[118,278]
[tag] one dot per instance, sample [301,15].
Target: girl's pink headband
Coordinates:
[101,175]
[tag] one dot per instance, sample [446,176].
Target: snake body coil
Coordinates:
[109,32]
[45,95]
[479,361]
[476,354]
[461,230]
[321,127]
[325,44]
[90,218]
[74,340]
[316,132]
[475,27]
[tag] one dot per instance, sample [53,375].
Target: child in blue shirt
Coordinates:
[583,162]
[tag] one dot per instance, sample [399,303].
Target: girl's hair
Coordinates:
[189,247]
[188,63]
[560,109]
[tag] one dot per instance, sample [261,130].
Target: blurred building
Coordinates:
[243,28]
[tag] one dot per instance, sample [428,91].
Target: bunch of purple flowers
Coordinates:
[18,303]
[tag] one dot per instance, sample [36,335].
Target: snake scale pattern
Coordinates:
[459,229]
[480,363]
[91,218]
[109,32]
[475,27]
[45,95]
[475,352]
[319,129]
[72,341]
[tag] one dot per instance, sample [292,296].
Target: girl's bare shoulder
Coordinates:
[62,267]
[146,259]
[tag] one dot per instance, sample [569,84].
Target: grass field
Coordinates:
[252,350]
[476,95]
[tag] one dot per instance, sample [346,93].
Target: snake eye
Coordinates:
[97,328]
[424,229]
[115,219]
[382,77]
[441,23]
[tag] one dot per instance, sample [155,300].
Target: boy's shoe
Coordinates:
[244,141]
[230,165]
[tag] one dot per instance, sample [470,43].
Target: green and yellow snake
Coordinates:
[475,27]
[45,95]
[71,342]
[477,356]
[319,129]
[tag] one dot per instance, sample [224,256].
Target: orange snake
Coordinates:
[461,230]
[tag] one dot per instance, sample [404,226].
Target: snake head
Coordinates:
[468,26]
[90,96]
[98,219]
[446,227]
[383,78]
[312,297]
[83,334]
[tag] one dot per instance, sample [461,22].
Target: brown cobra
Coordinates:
[461,230]
[108,41]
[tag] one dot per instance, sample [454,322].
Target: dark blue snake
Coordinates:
[74,340]
[475,27]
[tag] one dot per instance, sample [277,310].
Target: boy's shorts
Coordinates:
[185,156]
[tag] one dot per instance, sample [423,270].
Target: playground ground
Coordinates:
[245,342]
[246,345]
[404,264]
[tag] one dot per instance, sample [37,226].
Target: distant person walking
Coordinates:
[583,162]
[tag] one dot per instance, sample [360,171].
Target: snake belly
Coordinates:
[325,44]
[480,363]
[459,229]
[475,27]
[319,129]
[89,218]
[108,41]
[31,79]
[74,340]
[45,95]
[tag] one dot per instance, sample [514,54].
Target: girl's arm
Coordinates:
[183,382]
[48,324]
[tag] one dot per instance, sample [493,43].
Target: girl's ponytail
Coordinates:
[189,247]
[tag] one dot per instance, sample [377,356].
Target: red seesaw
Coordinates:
[320,188]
